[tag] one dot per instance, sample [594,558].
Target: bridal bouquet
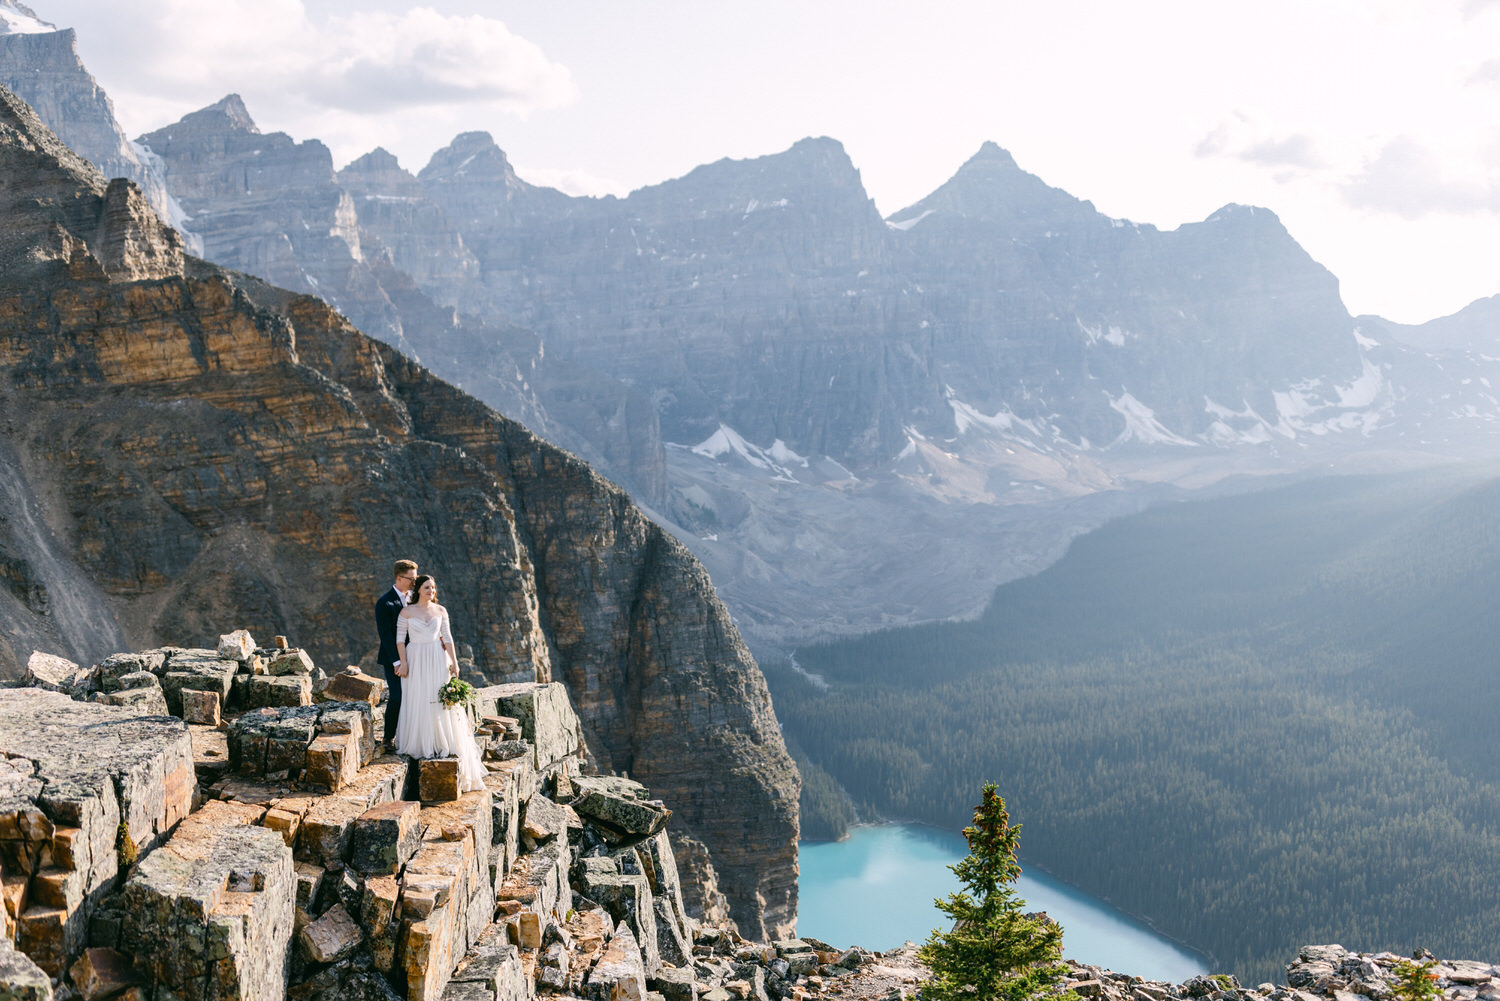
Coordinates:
[456,692]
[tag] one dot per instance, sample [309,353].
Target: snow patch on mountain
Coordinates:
[18,19]
[1099,332]
[966,417]
[1305,409]
[1141,423]
[906,224]
[726,441]
[1225,434]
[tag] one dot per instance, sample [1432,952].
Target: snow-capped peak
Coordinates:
[19,19]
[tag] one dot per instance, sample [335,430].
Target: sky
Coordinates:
[1371,127]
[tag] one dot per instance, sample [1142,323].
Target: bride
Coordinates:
[426,728]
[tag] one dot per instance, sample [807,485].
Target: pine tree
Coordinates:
[993,949]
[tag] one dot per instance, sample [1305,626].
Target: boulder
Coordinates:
[619,974]
[101,973]
[332,761]
[437,780]
[385,837]
[116,667]
[209,915]
[332,937]
[198,670]
[200,707]
[620,805]
[354,686]
[290,690]
[547,719]
[674,984]
[52,673]
[144,701]
[289,662]
[544,819]
[137,679]
[236,646]
[20,978]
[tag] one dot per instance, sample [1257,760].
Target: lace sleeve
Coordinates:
[400,629]
[447,632]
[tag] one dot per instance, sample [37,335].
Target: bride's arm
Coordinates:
[400,667]
[448,646]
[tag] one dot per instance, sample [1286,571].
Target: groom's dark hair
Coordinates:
[404,566]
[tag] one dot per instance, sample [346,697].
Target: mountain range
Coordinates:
[853,421]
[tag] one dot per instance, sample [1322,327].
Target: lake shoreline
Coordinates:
[1100,925]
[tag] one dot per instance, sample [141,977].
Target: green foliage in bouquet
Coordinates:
[457,692]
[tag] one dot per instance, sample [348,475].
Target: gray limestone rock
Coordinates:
[94,771]
[146,700]
[20,978]
[620,804]
[385,836]
[52,673]
[114,669]
[547,719]
[199,670]
[619,974]
[210,914]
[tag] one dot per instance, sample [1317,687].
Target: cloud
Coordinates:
[423,58]
[1296,150]
[1488,72]
[362,62]
[1406,179]
[1290,155]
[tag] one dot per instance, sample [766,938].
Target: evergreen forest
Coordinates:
[1256,722]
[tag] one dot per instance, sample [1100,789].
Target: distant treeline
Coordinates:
[1259,722]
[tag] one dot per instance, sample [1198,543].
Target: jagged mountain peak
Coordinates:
[232,108]
[378,161]
[18,19]
[471,156]
[378,172]
[1249,226]
[812,175]
[992,187]
[991,152]
[225,116]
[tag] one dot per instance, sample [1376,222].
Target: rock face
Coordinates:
[212,449]
[372,244]
[43,69]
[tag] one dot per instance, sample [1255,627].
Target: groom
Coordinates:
[387,608]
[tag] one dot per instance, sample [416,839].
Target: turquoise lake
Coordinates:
[875,889]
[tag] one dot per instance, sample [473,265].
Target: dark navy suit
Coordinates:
[387,608]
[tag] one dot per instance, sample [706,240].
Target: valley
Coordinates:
[1253,721]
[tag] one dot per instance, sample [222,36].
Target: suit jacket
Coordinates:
[387,607]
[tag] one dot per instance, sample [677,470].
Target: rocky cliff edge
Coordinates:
[196,447]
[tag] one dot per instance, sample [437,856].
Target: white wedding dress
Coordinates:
[426,727]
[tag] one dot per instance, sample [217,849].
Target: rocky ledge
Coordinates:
[1319,973]
[204,824]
